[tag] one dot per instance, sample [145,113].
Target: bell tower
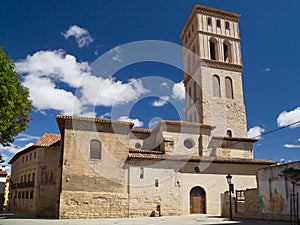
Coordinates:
[213,71]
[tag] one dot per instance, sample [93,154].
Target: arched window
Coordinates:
[95,149]
[229,133]
[227,51]
[216,86]
[228,88]
[213,47]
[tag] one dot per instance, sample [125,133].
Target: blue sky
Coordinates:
[56,43]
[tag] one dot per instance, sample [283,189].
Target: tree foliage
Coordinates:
[15,105]
[292,175]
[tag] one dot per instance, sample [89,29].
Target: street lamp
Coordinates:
[229,177]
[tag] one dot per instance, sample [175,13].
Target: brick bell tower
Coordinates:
[213,71]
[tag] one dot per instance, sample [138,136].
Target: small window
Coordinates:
[213,49]
[229,133]
[34,155]
[196,169]
[228,88]
[33,176]
[227,25]
[26,158]
[28,177]
[156,182]
[219,23]
[142,173]
[30,156]
[189,35]
[23,194]
[216,86]
[19,194]
[27,194]
[209,21]
[24,178]
[138,145]
[95,149]
[188,143]
[31,194]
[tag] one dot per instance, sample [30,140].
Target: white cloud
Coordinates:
[164,85]
[26,137]
[267,69]
[255,132]
[106,115]
[286,118]
[298,139]
[13,148]
[291,146]
[178,91]
[137,122]
[161,102]
[81,35]
[117,54]
[52,77]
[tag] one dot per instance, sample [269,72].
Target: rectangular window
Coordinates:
[156,182]
[142,173]
[227,25]
[219,23]
[209,21]
[34,155]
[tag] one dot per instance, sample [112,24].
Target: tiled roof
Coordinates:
[47,140]
[142,151]
[196,158]
[101,120]
[141,130]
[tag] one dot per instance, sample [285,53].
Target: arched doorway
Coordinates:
[197,200]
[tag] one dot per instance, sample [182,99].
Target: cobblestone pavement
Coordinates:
[11,219]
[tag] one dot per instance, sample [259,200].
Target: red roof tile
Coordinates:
[47,140]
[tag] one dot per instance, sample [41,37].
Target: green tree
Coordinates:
[15,105]
[293,176]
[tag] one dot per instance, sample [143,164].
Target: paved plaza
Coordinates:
[10,219]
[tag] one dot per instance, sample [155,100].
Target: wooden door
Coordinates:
[196,204]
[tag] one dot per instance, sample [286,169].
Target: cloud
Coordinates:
[161,102]
[286,118]
[13,148]
[81,35]
[255,132]
[137,122]
[291,146]
[178,91]
[267,69]
[26,137]
[164,85]
[299,139]
[57,81]
[106,115]
[117,54]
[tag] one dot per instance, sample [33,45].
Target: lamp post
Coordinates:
[229,177]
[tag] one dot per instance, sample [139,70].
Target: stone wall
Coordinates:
[84,205]
[93,188]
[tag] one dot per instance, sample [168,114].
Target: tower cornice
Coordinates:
[209,12]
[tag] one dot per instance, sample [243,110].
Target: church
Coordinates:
[99,168]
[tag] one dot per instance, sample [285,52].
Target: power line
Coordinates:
[265,133]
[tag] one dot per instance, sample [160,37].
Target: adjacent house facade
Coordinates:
[107,168]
